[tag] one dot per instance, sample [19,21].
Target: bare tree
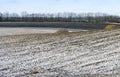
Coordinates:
[59,17]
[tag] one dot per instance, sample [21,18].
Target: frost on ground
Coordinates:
[60,55]
[15,31]
[20,30]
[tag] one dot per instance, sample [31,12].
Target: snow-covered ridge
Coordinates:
[51,55]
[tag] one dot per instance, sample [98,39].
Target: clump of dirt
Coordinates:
[110,27]
[62,31]
[33,72]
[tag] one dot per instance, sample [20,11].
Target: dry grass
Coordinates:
[110,27]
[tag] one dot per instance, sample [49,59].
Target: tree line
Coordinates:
[58,17]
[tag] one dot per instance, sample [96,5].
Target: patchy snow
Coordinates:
[61,55]
[17,31]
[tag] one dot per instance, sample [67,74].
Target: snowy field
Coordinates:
[80,54]
[17,31]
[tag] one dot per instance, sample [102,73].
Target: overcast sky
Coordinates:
[54,6]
